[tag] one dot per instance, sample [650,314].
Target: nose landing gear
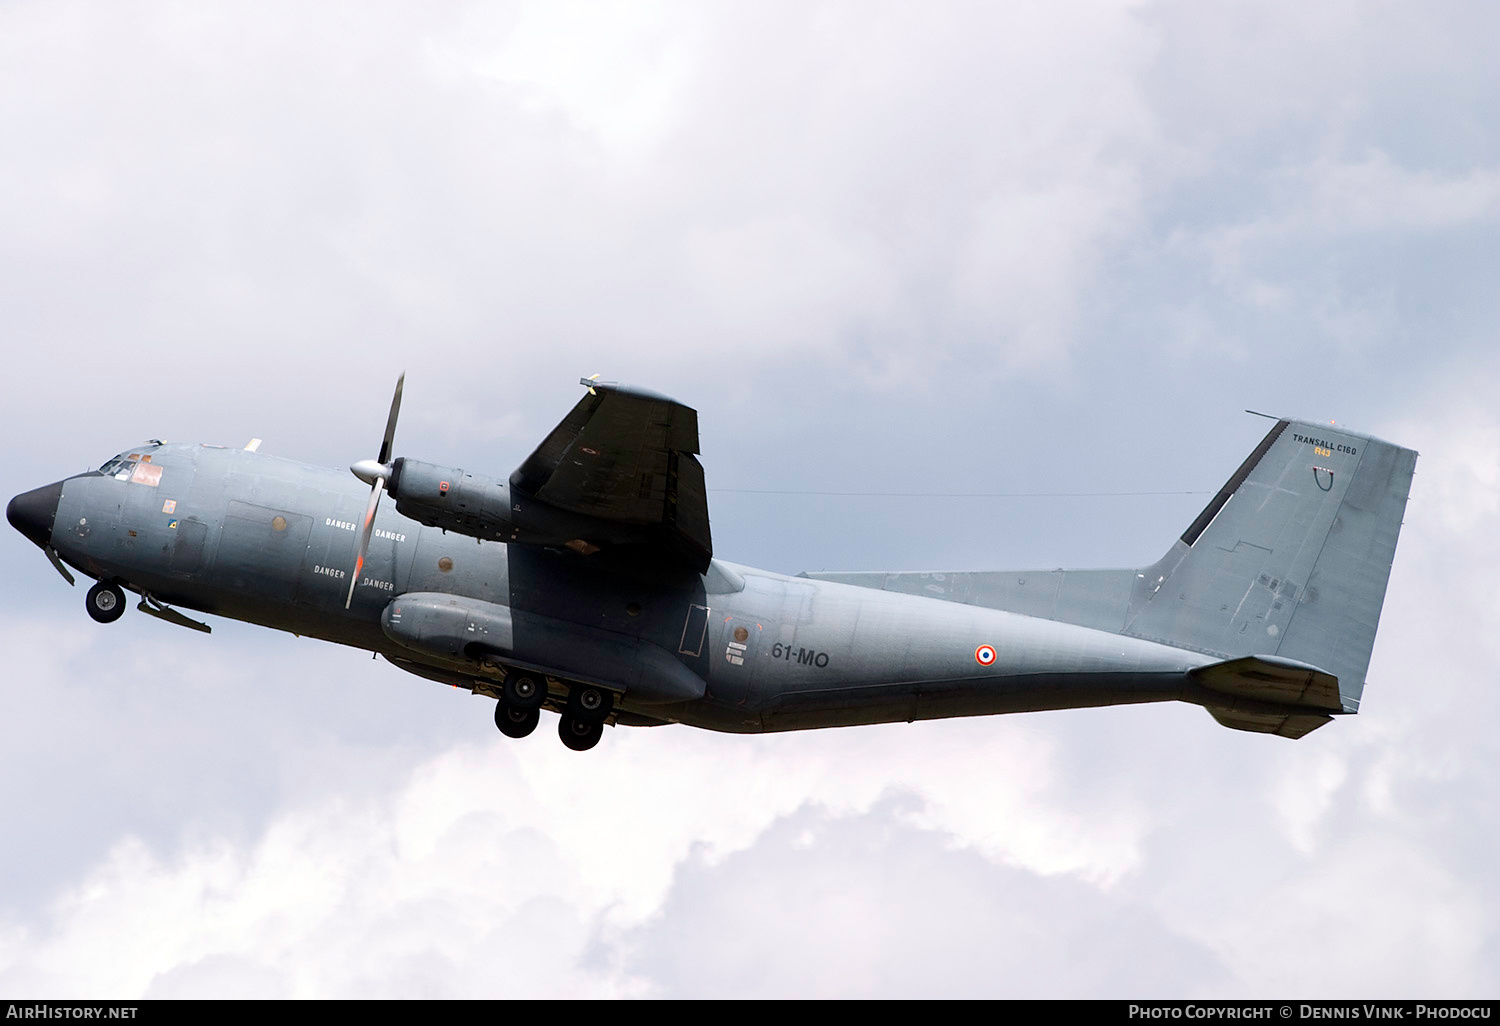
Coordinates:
[105,602]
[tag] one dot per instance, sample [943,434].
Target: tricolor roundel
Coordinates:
[984,655]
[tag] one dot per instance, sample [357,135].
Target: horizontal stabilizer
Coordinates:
[1292,725]
[1271,679]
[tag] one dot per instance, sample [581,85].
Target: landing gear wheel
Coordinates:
[524,690]
[579,735]
[515,722]
[590,704]
[106,602]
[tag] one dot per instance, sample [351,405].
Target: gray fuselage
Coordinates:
[272,542]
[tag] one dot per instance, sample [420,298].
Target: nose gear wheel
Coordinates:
[105,602]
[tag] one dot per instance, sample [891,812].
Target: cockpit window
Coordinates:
[123,465]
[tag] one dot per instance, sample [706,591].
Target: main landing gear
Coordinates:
[581,723]
[520,706]
[516,722]
[106,602]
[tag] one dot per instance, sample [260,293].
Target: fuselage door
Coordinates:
[187,553]
[261,550]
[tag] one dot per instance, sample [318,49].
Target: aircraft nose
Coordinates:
[32,512]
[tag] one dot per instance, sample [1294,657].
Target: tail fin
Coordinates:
[1290,559]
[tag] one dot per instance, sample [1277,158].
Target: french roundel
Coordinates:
[984,655]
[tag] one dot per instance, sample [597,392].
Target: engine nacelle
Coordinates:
[483,507]
[449,498]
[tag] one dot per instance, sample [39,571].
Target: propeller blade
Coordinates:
[390,423]
[375,473]
[364,536]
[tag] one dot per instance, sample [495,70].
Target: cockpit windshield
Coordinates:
[123,465]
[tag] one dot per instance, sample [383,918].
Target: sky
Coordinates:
[904,249]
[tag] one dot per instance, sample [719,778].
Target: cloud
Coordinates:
[251,192]
[828,906]
[482,848]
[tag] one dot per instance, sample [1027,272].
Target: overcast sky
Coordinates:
[881,247]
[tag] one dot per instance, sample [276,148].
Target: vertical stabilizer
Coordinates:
[1290,558]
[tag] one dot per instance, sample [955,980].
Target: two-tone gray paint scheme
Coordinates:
[1264,611]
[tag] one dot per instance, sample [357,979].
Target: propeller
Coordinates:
[375,473]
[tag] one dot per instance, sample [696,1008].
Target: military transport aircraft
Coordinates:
[586,584]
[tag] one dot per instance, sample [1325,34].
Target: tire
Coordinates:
[524,690]
[586,702]
[579,735]
[516,722]
[105,602]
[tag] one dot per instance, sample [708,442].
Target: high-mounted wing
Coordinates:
[620,473]
[626,456]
